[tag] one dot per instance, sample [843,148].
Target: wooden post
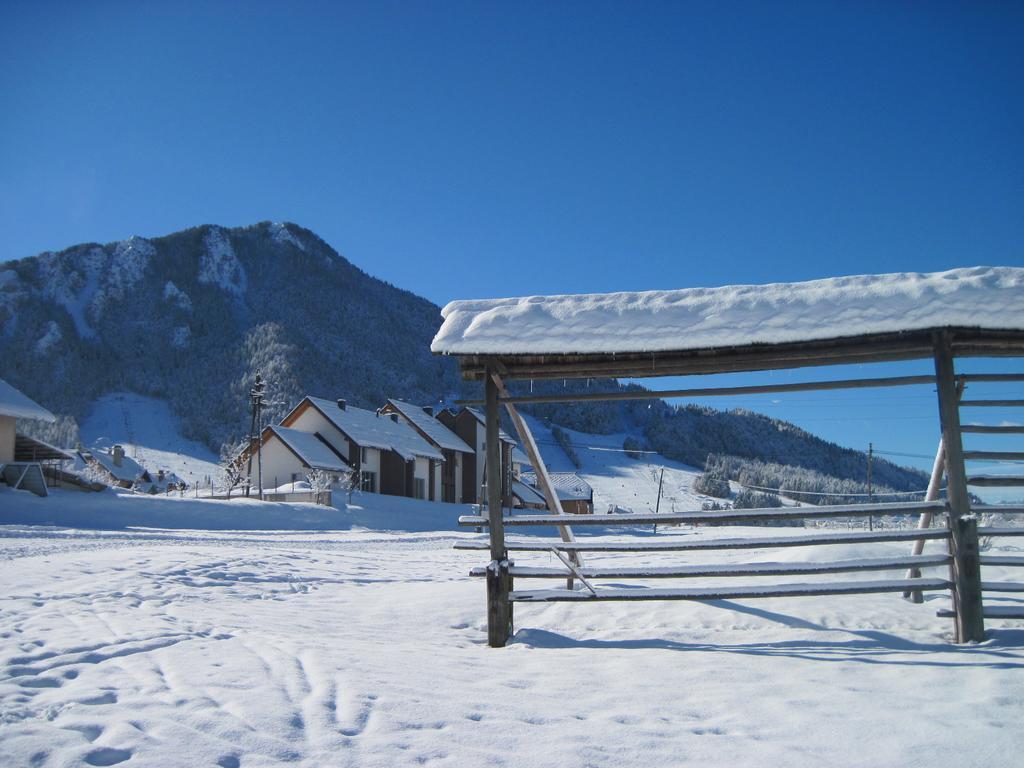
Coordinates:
[969,623]
[497,571]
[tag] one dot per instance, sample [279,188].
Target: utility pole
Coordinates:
[657,504]
[871,498]
[256,395]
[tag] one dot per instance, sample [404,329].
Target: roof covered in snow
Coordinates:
[15,403]
[129,471]
[989,298]
[568,485]
[437,432]
[311,449]
[504,436]
[369,429]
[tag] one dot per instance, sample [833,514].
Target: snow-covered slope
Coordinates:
[149,433]
[618,479]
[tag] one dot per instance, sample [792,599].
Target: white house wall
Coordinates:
[279,464]
[311,420]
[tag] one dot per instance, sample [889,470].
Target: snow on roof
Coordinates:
[518,457]
[437,432]
[15,403]
[129,471]
[703,318]
[568,485]
[527,493]
[370,430]
[311,449]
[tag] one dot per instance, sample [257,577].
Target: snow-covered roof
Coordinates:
[518,457]
[437,432]
[129,471]
[313,451]
[15,403]
[990,298]
[527,493]
[568,485]
[371,430]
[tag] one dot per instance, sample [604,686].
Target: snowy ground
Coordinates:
[363,648]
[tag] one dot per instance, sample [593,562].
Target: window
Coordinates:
[368,481]
[420,488]
[363,456]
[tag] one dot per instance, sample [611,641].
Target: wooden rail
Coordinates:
[717,516]
[738,569]
[695,543]
[727,593]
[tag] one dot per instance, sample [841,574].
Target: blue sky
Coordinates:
[481,149]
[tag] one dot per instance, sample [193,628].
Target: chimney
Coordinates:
[394,417]
[341,403]
[118,454]
[429,410]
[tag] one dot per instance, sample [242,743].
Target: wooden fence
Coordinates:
[961,562]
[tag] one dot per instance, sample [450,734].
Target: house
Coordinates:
[574,493]
[289,455]
[454,449]
[13,406]
[389,455]
[117,469]
[468,424]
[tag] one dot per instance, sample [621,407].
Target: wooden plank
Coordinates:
[996,481]
[869,348]
[993,531]
[764,514]
[809,386]
[969,625]
[991,403]
[1001,509]
[991,612]
[994,455]
[991,377]
[693,543]
[1002,586]
[737,569]
[728,593]
[1003,560]
[984,429]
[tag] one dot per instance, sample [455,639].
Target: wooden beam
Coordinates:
[726,593]
[718,516]
[969,625]
[695,543]
[497,597]
[869,348]
[737,569]
[810,386]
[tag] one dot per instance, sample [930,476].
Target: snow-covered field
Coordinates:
[363,648]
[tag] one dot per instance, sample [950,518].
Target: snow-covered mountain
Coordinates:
[190,317]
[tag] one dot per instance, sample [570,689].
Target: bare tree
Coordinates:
[319,483]
[232,466]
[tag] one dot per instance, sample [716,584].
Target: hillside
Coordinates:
[190,317]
